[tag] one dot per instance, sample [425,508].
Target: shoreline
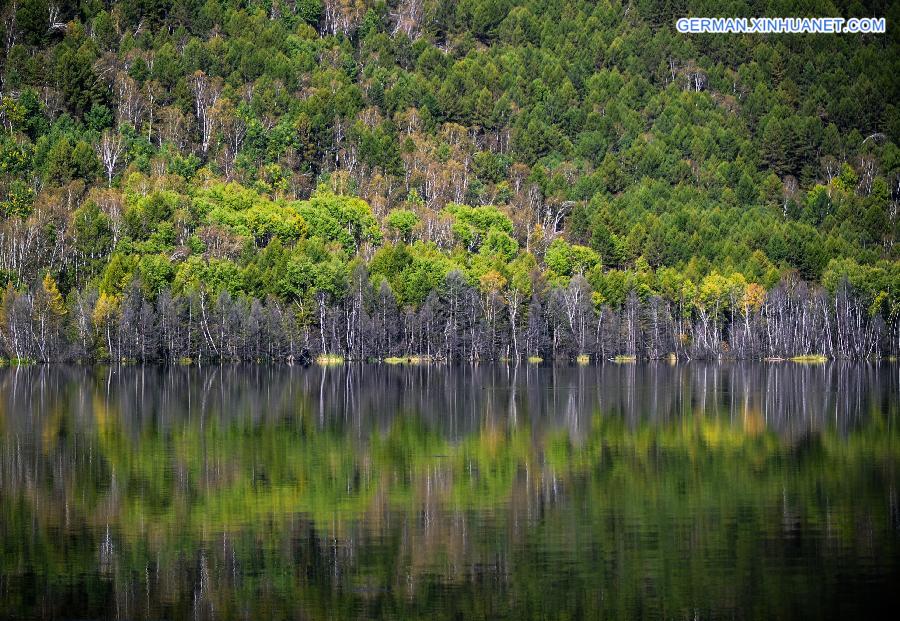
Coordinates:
[332,360]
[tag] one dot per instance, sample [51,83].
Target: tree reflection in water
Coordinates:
[707,490]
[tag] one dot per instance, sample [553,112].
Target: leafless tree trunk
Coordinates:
[206,94]
[409,17]
[109,150]
[9,25]
[54,23]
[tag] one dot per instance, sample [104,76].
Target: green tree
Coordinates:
[402,222]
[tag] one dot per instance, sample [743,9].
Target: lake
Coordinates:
[690,491]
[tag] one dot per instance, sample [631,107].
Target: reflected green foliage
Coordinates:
[513,504]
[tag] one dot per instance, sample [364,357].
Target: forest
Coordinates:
[450,180]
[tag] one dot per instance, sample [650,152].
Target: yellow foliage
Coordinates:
[754,296]
[55,302]
[329,359]
[712,292]
[754,421]
[492,281]
[105,310]
[407,359]
[810,359]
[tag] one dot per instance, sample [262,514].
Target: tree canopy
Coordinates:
[270,150]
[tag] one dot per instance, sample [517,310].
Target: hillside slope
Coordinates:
[460,179]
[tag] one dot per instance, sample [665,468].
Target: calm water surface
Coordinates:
[731,491]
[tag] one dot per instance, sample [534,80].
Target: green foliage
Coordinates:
[876,283]
[566,259]
[17,200]
[145,215]
[549,139]
[715,472]
[499,244]
[118,273]
[472,224]
[412,271]
[249,215]
[80,86]
[346,220]
[402,222]
[156,273]
[93,236]
[67,161]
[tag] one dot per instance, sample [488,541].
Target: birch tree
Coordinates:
[206,92]
[109,151]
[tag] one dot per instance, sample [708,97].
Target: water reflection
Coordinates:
[379,491]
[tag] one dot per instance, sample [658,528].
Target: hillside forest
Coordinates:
[462,180]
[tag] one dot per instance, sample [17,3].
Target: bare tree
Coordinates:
[577,299]
[695,77]
[152,91]
[9,25]
[54,22]
[789,190]
[409,17]
[130,103]
[831,168]
[513,303]
[233,130]
[109,150]
[206,94]
[171,127]
[554,216]
[343,16]
[867,172]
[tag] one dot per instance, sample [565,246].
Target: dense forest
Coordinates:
[455,179]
